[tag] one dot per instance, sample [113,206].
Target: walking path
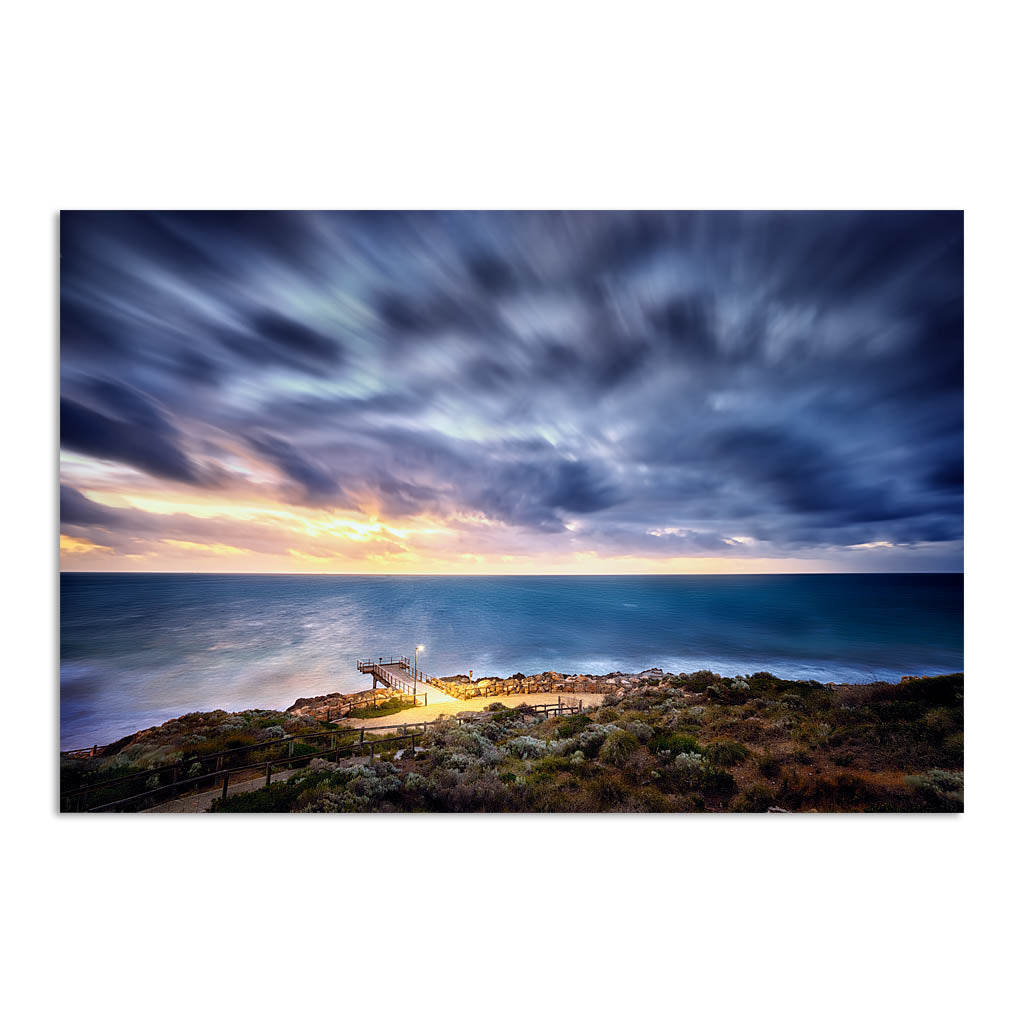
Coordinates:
[195,803]
[414,716]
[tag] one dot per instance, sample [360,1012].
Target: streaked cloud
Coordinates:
[512,391]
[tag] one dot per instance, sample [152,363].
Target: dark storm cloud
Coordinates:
[128,429]
[317,484]
[77,509]
[269,338]
[658,381]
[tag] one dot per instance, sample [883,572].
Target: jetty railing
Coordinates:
[368,664]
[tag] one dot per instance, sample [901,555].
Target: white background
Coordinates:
[628,105]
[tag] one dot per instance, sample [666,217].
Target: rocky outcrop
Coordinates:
[545,682]
[332,706]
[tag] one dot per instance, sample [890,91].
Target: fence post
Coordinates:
[224,791]
[268,774]
[361,732]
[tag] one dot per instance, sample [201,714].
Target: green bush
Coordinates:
[756,798]
[571,725]
[390,707]
[617,747]
[698,682]
[940,790]
[674,743]
[718,781]
[726,753]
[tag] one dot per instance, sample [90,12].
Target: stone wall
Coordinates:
[546,682]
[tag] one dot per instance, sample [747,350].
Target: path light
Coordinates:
[416,660]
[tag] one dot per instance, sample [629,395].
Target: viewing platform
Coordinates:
[398,674]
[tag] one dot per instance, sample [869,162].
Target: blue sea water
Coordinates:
[137,649]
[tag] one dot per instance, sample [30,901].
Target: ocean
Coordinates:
[138,649]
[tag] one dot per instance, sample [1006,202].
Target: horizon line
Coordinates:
[471,575]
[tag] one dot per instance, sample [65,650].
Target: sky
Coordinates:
[511,392]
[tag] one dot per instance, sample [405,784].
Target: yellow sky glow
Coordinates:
[271,537]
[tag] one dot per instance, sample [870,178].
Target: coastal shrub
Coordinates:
[954,746]
[608,792]
[725,753]
[526,747]
[939,789]
[617,747]
[717,781]
[571,725]
[690,759]
[748,730]
[739,684]
[871,748]
[276,797]
[641,730]
[675,743]
[810,733]
[698,682]
[756,798]
[481,793]
[941,721]
[589,741]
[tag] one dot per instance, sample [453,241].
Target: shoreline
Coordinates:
[649,742]
[548,684]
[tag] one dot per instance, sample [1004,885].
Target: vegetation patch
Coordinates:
[389,707]
[668,746]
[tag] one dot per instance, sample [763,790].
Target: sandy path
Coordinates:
[452,705]
[196,803]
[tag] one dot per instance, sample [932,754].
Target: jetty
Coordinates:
[398,674]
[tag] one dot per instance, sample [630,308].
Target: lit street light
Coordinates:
[416,661]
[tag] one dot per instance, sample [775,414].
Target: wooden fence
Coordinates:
[183,777]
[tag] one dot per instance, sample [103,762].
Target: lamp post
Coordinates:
[416,660]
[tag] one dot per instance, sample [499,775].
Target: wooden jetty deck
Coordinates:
[399,675]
